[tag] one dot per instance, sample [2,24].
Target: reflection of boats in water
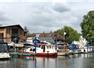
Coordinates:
[4,50]
[42,50]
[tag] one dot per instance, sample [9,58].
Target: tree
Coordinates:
[87,26]
[71,34]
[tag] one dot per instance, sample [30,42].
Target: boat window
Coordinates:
[31,49]
[42,47]
[49,46]
[34,49]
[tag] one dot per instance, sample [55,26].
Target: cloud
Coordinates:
[2,1]
[3,17]
[44,16]
[80,1]
[60,8]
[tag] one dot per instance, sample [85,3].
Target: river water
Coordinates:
[72,61]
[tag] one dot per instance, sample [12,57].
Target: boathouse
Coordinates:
[12,33]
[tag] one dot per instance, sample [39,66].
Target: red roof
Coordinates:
[33,35]
[41,34]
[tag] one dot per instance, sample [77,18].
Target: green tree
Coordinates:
[87,27]
[71,34]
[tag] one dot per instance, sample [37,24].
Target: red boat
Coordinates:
[42,50]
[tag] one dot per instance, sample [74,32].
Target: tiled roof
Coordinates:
[41,34]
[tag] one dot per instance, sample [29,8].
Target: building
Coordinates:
[12,33]
[43,37]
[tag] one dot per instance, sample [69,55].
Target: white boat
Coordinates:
[85,49]
[42,50]
[4,54]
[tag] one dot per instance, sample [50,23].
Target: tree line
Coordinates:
[87,30]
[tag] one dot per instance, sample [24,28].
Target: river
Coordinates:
[72,61]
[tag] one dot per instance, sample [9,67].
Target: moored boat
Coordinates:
[4,54]
[46,51]
[41,50]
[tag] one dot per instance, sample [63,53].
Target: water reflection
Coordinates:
[72,61]
[45,63]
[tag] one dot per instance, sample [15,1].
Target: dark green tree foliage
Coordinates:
[87,26]
[71,34]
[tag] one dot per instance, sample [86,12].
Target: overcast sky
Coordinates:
[44,15]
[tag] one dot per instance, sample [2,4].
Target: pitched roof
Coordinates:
[11,26]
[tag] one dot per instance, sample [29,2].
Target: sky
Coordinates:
[44,15]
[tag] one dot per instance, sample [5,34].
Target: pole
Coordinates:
[35,48]
[65,46]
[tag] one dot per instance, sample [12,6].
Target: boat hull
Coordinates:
[38,54]
[46,54]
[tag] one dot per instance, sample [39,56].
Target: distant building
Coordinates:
[12,33]
[41,34]
[44,37]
